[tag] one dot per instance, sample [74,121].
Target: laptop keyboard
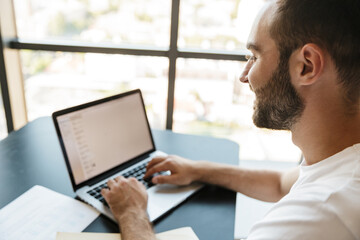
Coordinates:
[137,173]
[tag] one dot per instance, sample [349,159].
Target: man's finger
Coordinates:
[111,183]
[132,179]
[162,166]
[105,192]
[155,161]
[171,179]
[119,178]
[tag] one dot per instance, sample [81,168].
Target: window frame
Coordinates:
[172,53]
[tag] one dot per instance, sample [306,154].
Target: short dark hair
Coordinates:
[333,25]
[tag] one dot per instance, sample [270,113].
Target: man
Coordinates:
[305,74]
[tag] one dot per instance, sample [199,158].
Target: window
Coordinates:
[216,24]
[116,21]
[56,80]
[185,56]
[210,100]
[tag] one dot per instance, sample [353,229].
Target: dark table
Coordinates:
[32,156]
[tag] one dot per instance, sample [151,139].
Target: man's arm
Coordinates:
[127,199]
[264,185]
[136,226]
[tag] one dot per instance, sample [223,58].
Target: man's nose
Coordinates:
[244,75]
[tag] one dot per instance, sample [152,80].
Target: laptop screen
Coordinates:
[104,135]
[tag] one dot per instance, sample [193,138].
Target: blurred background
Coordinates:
[196,92]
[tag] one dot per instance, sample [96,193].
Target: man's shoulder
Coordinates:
[330,176]
[306,218]
[344,203]
[316,212]
[323,204]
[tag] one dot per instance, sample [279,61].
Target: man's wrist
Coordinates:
[199,171]
[132,213]
[135,224]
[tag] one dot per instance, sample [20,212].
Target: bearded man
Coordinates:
[305,73]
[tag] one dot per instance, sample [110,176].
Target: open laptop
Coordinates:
[107,138]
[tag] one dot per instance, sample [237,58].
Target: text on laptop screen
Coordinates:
[105,135]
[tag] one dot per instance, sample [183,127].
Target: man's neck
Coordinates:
[323,132]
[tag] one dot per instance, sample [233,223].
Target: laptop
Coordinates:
[106,138]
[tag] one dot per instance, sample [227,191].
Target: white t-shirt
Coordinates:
[324,203]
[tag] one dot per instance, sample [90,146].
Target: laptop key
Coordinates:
[148,179]
[98,196]
[92,193]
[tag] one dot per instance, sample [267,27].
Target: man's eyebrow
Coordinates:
[253,46]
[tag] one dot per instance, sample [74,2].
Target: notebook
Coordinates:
[106,138]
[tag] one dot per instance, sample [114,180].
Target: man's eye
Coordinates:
[250,58]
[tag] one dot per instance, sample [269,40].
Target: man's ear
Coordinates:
[309,64]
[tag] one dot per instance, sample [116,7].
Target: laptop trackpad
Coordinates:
[164,197]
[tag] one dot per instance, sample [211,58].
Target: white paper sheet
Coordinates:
[40,213]
[185,233]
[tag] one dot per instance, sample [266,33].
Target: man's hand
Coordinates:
[183,171]
[126,197]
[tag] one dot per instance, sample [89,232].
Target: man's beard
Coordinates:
[277,105]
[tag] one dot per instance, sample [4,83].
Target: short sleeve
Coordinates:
[300,219]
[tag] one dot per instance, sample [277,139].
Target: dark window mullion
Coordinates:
[173,54]
[5,89]
[72,46]
[213,54]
